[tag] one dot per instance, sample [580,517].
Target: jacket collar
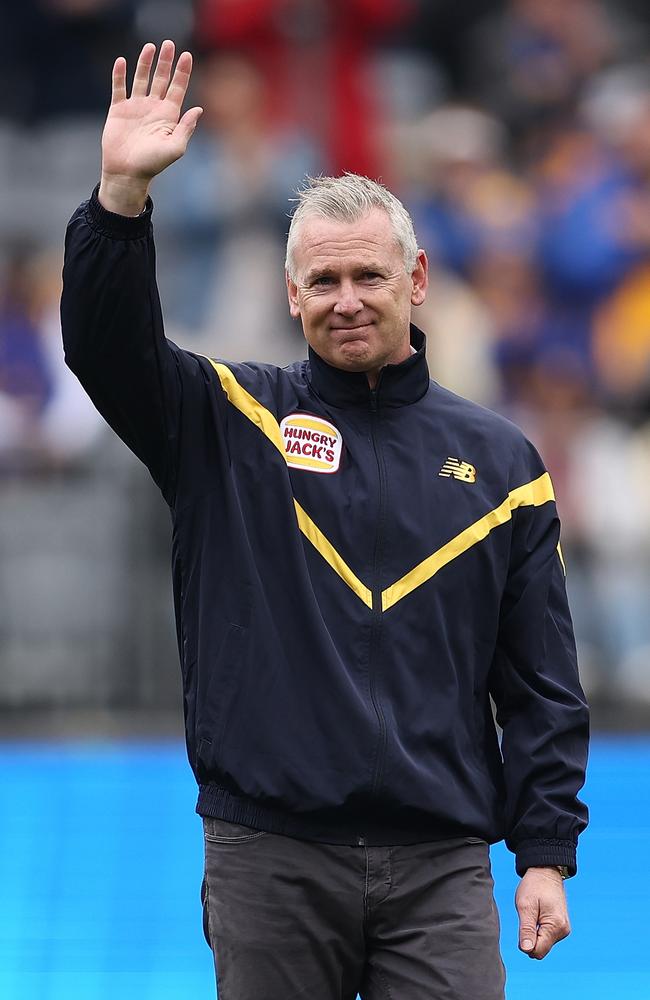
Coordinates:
[398,385]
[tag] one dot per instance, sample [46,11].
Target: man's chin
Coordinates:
[351,364]
[353,357]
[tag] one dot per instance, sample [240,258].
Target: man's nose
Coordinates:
[348,302]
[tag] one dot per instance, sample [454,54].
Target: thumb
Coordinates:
[185,128]
[527,938]
[527,929]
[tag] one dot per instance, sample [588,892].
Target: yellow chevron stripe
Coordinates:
[531,494]
[267,423]
[537,492]
[559,552]
[330,555]
[248,405]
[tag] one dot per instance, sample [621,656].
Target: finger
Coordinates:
[160,80]
[548,935]
[119,80]
[180,79]
[545,942]
[142,70]
[185,128]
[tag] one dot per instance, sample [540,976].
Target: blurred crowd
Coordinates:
[517,133]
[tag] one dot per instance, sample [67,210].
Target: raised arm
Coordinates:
[110,310]
[144,133]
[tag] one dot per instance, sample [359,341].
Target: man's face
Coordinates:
[352,292]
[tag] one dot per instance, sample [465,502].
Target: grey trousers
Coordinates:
[290,918]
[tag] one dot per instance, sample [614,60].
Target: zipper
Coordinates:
[376,620]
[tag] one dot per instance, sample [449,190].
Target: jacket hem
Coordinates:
[350,830]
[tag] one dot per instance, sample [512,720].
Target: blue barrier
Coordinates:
[101,865]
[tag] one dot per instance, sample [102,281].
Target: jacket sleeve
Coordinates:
[113,335]
[540,704]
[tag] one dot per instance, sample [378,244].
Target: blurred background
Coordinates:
[518,135]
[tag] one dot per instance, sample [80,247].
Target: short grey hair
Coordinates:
[347,199]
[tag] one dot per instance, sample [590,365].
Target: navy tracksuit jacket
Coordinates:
[355,573]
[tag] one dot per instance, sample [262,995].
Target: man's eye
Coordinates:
[323,279]
[371,275]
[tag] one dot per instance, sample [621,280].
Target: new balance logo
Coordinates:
[459,470]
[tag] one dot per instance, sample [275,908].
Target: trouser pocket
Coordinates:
[205,903]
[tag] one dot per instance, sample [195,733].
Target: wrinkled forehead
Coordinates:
[317,239]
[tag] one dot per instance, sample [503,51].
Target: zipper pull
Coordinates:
[361,841]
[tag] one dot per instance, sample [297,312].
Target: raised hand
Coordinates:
[145,132]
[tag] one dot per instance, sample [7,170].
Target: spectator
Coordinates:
[532,60]
[618,111]
[45,420]
[508,284]
[25,382]
[468,199]
[316,57]
[222,212]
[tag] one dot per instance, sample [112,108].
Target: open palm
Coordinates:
[144,133]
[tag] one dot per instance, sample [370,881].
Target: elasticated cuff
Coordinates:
[120,227]
[545,853]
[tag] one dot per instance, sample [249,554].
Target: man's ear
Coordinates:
[420,279]
[292,294]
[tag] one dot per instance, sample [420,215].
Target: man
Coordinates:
[360,559]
